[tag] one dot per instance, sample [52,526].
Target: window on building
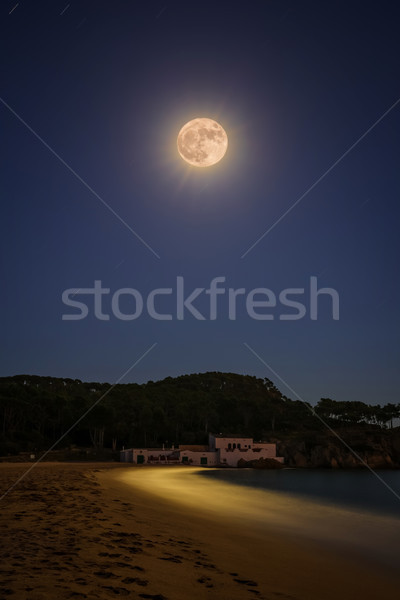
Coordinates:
[229,446]
[234,446]
[185,459]
[238,445]
[203,460]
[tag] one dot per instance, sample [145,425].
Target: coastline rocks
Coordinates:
[377,450]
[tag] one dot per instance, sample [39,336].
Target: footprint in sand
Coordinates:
[130,566]
[198,563]
[174,559]
[247,582]
[134,549]
[118,591]
[207,581]
[141,582]
[6,591]
[105,574]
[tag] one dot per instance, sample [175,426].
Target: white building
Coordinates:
[232,449]
[221,451]
[152,456]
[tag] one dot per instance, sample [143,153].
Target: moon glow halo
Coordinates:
[202,142]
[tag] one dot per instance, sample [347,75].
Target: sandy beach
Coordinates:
[101,531]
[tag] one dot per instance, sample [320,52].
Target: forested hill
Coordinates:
[36,411]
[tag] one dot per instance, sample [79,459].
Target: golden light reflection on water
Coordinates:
[263,510]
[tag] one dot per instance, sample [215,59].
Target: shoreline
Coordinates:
[83,531]
[20,459]
[294,525]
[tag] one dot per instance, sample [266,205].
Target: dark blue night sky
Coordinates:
[107,86]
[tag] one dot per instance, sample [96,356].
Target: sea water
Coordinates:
[374,491]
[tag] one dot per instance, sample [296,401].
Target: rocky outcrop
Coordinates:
[377,449]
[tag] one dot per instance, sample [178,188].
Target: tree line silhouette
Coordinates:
[35,411]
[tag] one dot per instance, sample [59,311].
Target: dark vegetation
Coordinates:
[36,411]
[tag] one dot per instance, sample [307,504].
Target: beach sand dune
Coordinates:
[96,531]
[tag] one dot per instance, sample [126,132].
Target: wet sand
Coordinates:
[103,531]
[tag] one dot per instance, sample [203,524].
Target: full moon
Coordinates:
[202,142]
